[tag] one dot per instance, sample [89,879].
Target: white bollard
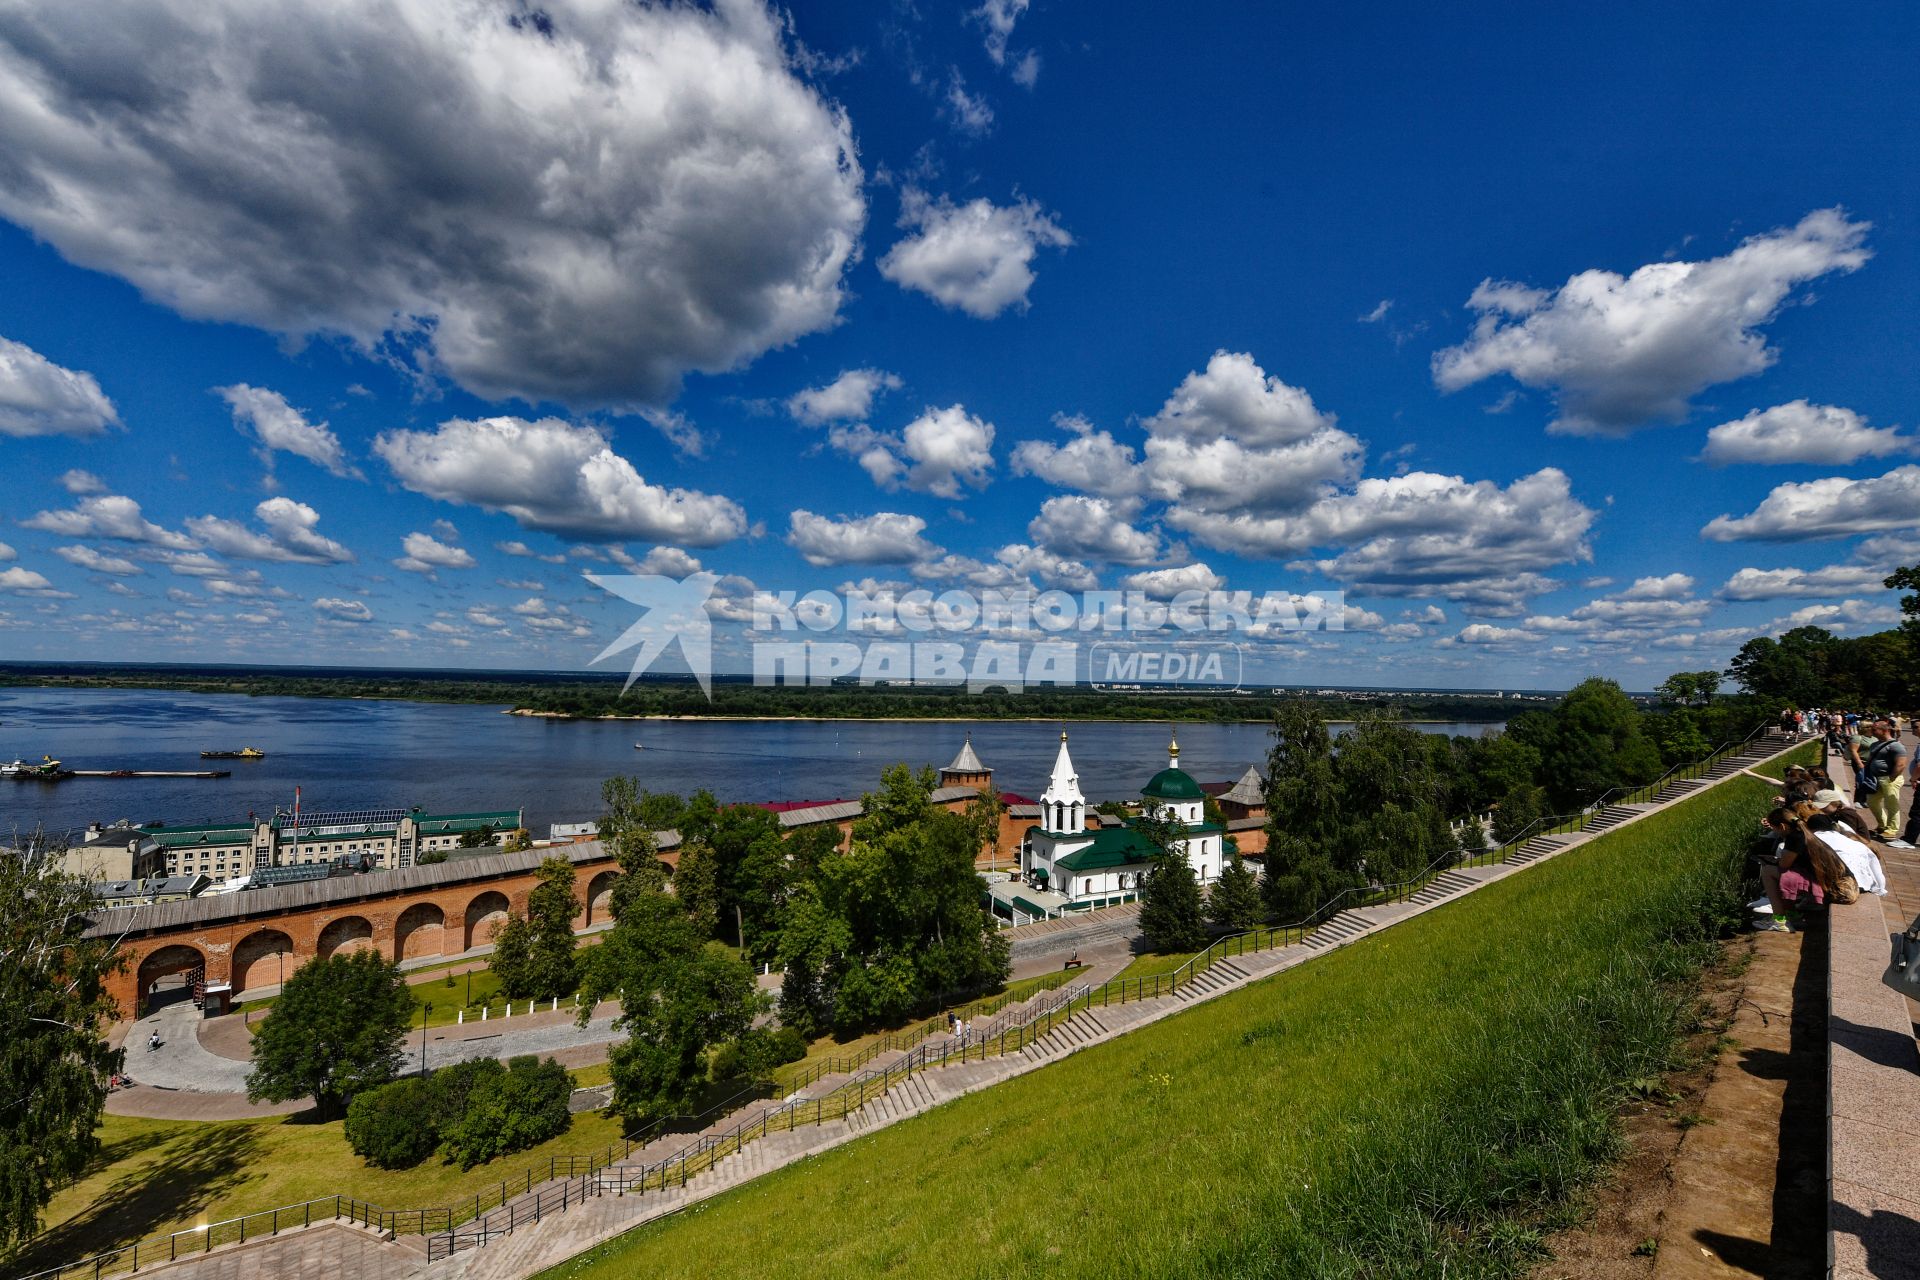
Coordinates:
[483,1013]
[509,1012]
[460,1018]
[556,1005]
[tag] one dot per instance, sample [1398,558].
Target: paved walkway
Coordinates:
[1874,1081]
[200,1070]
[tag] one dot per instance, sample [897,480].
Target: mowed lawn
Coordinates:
[155,1176]
[1426,1102]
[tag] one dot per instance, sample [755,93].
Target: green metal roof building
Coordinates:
[361,839]
[1103,867]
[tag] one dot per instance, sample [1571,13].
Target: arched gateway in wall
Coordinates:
[258,937]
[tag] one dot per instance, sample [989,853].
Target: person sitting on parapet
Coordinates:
[1833,802]
[1862,863]
[1800,785]
[1807,872]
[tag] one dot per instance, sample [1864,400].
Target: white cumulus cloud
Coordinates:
[939,452]
[88,558]
[1620,352]
[27,582]
[551,475]
[1092,461]
[887,537]
[975,257]
[1801,432]
[109,516]
[344,610]
[848,398]
[426,553]
[1164,584]
[1831,507]
[578,203]
[288,534]
[1094,528]
[276,425]
[37,396]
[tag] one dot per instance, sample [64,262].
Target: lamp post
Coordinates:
[424,1015]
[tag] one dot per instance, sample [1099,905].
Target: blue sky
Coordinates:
[1563,342]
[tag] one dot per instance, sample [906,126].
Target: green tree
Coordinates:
[679,995]
[1302,818]
[696,883]
[338,1027]
[1908,579]
[1172,917]
[895,923]
[1594,743]
[509,1111]
[1689,688]
[393,1126]
[627,830]
[1390,802]
[1234,901]
[1518,809]
[1678,736]
[476,838]
[54,1061]
[533,955]
[1791,671]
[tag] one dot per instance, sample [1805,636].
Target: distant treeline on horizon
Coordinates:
[592,694]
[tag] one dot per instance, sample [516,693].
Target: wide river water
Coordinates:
[452,758]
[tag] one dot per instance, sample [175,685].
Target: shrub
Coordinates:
[392,1127]
[756,1053]
[511,1110]
[453,1086]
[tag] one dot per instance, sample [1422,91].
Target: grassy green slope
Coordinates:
[1420,1103]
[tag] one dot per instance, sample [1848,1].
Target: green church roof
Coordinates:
[1173,784]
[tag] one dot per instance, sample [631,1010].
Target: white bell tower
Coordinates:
[1063,810]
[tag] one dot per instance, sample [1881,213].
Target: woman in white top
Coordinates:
[1863,862]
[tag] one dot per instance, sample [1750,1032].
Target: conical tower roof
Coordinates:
[1064,786]
[966,761]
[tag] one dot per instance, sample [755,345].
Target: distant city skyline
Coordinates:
[1562,343]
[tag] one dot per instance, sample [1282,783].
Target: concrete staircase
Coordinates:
[1539,847]
[1444,885]
[1217,976]
[1344,927]
[1612,816]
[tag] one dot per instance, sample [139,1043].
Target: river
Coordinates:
[451,758]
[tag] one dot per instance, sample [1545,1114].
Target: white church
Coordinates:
[1103,866]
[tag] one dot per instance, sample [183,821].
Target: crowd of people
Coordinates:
[1822,845]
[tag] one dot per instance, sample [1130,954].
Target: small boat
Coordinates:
[244,753]
[47,768]
[639,746]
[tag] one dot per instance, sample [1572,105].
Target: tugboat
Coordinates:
[47,769]
[244,753]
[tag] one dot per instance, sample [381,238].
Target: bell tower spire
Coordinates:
[1063,810]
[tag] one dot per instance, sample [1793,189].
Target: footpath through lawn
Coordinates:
[1425,1102]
